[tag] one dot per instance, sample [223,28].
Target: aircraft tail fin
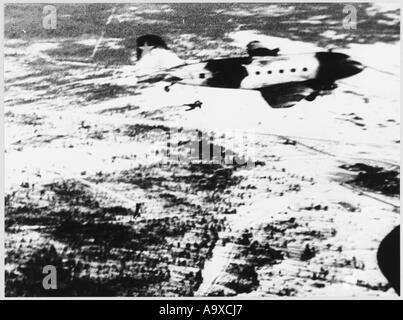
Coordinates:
[153,55]
[148,42]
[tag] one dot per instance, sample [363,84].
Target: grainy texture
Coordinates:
[89,188]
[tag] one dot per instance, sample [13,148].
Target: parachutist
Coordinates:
[194,105]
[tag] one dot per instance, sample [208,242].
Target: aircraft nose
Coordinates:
[353,67]
[335,66]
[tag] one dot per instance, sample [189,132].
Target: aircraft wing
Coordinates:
[286,95]
[257,49]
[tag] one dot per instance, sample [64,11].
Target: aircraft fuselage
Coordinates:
[258,72]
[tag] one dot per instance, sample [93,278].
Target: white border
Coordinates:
[2,168]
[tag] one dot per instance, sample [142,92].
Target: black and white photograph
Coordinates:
[202,149]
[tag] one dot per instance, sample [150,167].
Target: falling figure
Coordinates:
[194,105]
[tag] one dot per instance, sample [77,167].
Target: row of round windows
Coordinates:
[282,71]
[202,75]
